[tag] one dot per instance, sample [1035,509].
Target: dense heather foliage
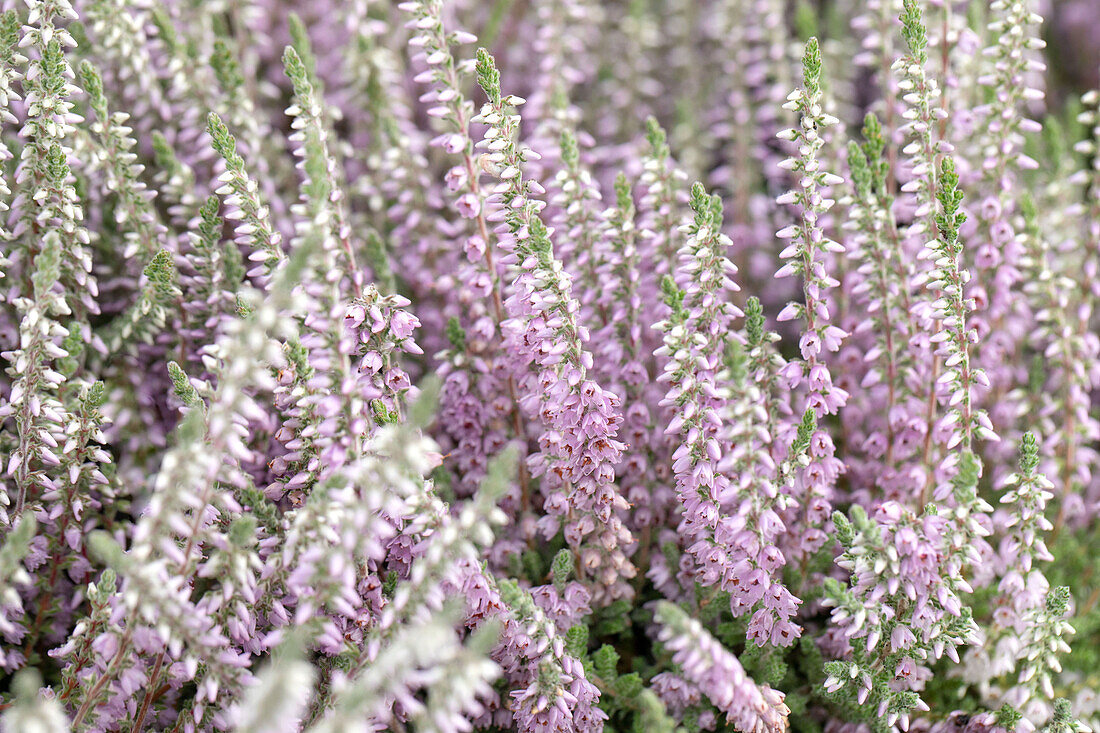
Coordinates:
[361,373]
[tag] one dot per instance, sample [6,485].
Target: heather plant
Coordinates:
[556,367]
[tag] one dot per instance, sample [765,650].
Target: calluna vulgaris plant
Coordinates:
[566,366]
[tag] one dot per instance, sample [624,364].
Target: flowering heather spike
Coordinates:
[1025,637]
[661,200]
[46,200]
[312,580]
[581,243]
[925,118]
[1023,585]
[192,471]
[947,280]
[755,526]
[921,95]
[136,213]
[33,400]
[806,258]
[483,401]
[10,63]
[622,357]
[726,549]
[243,201]
[143,320]
[182,387]
[1014,25]
[883,283]
[212,270]
[749,707]
[621,302]
[466,534]
[233,99]
[1030,492]
[321,192]
[426,655]
[558,696]
[1041,645]
[901,610]
[765,365]
[578,448]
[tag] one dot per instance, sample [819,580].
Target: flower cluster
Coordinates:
[806,257]
[718,674]
[578,447]
[549,367]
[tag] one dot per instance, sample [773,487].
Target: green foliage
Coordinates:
[606,661]
[299,41]
[630,705]
[161,274]
[798,453]
[1057,602]
[965,480]
[843,531]
[224,143]
[859,170]
[47,266]
[499,475]
[674,297]
[1063,721]
[378,258]
[9,37]
[811,68]
[242,531]
[456,335]
[736,361]
[576,641]
[182,387]
[624,199]
[383,415]
[707,208]
[570,154]
[93,397]
[73,345]
[226,69]
[950,217]
[561,568]
[806,23]
[1008,717]
[913,30]
[93,87]
[108,551]
[488,77]
[166,30]
[422,411]
[613,619]
[265,511]
[143,320]
[873,150]
[1029,454]
[657,139]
